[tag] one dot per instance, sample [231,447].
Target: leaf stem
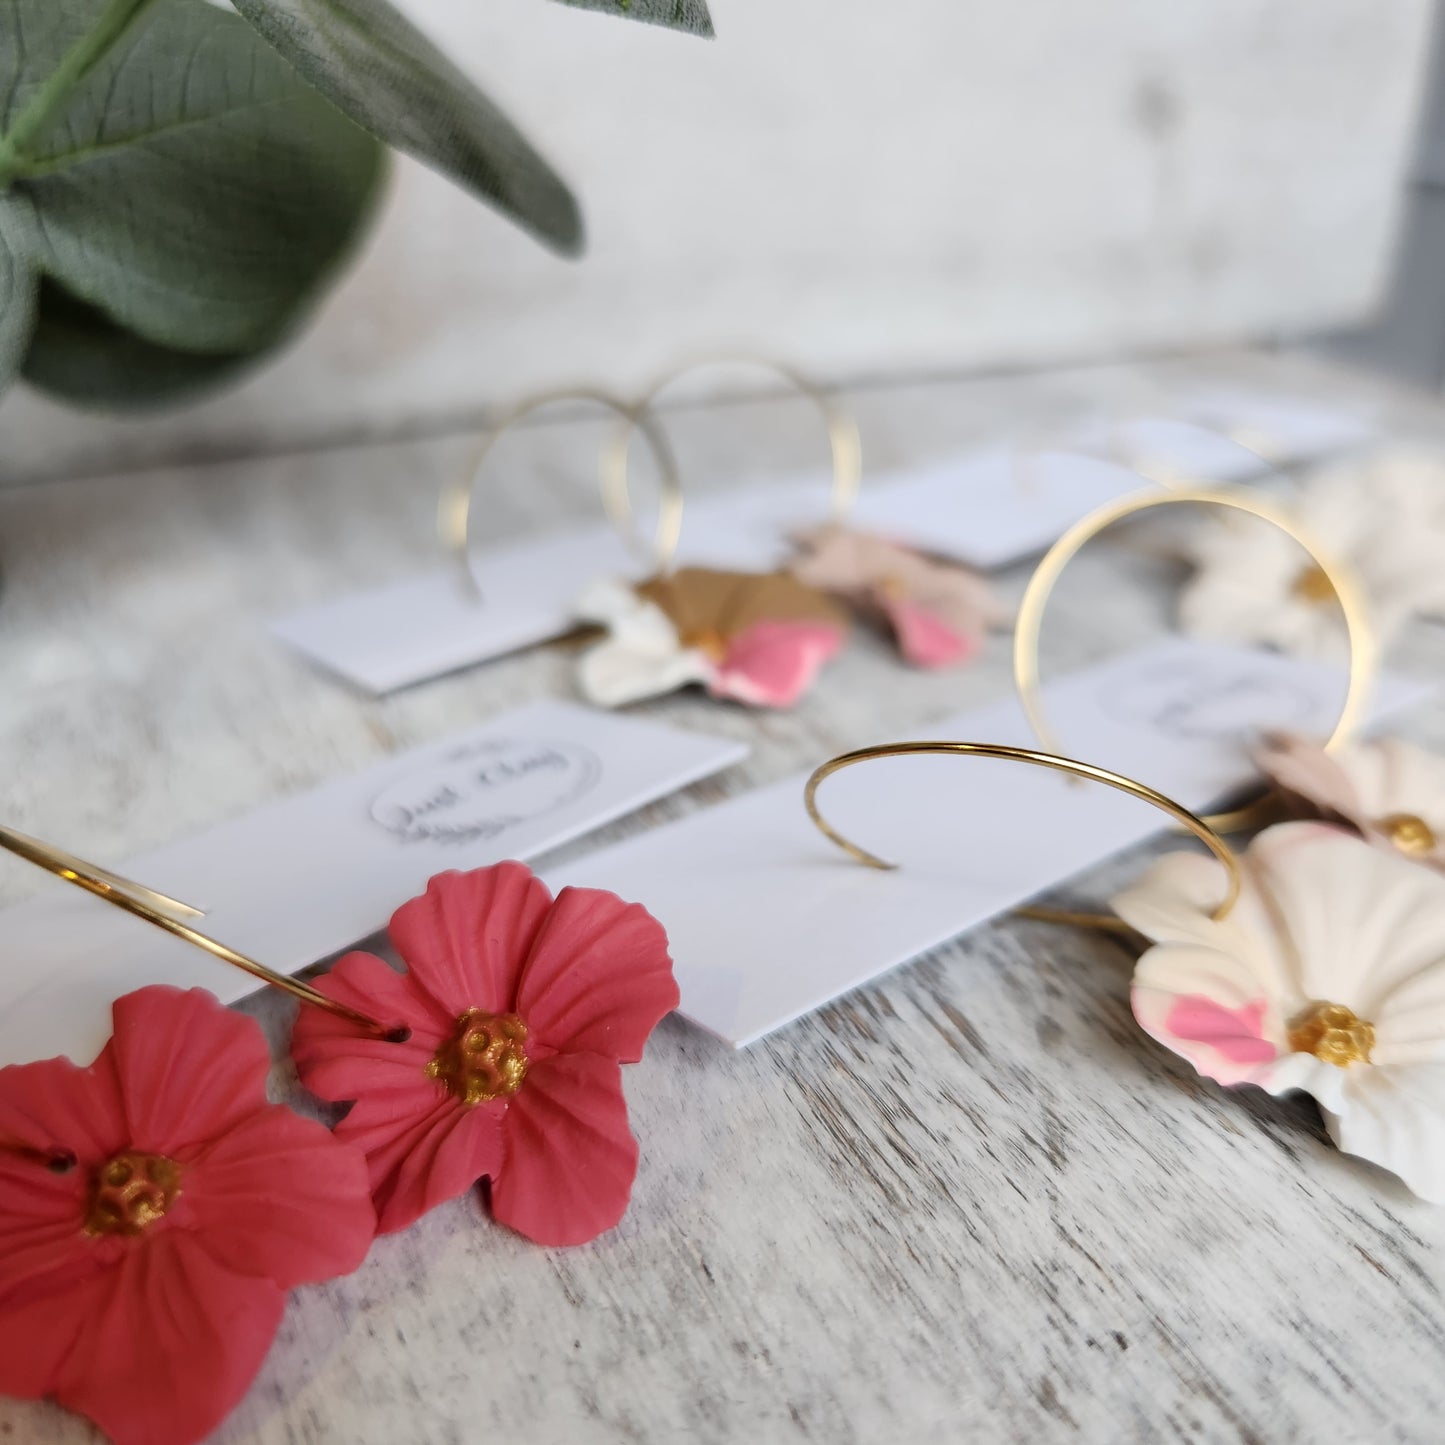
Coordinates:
[74,66]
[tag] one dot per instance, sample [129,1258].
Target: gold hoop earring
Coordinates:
[1007,753]
[844,443]
[455,509]
[1347,590]
[171,915]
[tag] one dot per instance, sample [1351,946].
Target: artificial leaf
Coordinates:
[185,190]
[690,15]
[189,185]
[78,354]
[18,285]
[387,76]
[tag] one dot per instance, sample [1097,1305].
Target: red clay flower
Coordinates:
[521,1009]
[143,1284]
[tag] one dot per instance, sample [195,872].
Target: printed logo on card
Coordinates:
[481,790]
[1194,701]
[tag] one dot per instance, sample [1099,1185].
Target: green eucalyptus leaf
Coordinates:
[690,15]
[81,356]
[19,285]
[184,189]
[189,184]
[387,76]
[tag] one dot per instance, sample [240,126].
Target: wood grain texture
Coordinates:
[970,1202]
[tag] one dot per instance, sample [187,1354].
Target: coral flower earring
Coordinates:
[521,1009]
[154,1211]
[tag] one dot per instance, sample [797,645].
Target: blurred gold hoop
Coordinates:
[1346,587]
[455,507]
[844,444]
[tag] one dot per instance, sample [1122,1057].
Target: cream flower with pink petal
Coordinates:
[1392,791]
[939,612]
[1329,976]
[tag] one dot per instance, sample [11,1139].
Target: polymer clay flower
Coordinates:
[938,611]
[144,1269]
[1329,976]
[522,1009]
[1383,517]
[756,638]
[1390,790]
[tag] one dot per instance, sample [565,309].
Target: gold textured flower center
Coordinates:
[1312,584]
[130,1192]
[1332,1032]
[1411,834]
[484,1059]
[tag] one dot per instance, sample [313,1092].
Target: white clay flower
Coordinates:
[642,655]
[1383,517]
[1329,976]
[1392,791]
[755,638]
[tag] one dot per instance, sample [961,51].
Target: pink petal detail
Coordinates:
[45,1106]
[340,1061]
[189,1068]
[280,1197]
[772,664]
[924,638]
[599,977]
[38,1332]
[419,1159]
[170,1342]
[570,1157]
[1235,1034]
[465,938]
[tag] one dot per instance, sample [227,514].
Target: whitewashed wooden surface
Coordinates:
[971,1202]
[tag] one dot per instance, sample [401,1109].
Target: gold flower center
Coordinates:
[1331,1032]
[1412,835]
[130,1192]
[1312,584]
[484,1059]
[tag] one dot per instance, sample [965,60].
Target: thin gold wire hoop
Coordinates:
[456,509]
[170,914]
[1007,753]
[1347,590]
[845,446]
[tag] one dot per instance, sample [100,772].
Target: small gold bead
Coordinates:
[1312,584]
[1333,1034]
[484,1059]
[1411,834]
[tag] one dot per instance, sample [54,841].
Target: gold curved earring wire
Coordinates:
[1346,588]
[1007,753]
[455,509]
[844,444]
[169,914]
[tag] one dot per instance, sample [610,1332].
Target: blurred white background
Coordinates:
[921,185]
